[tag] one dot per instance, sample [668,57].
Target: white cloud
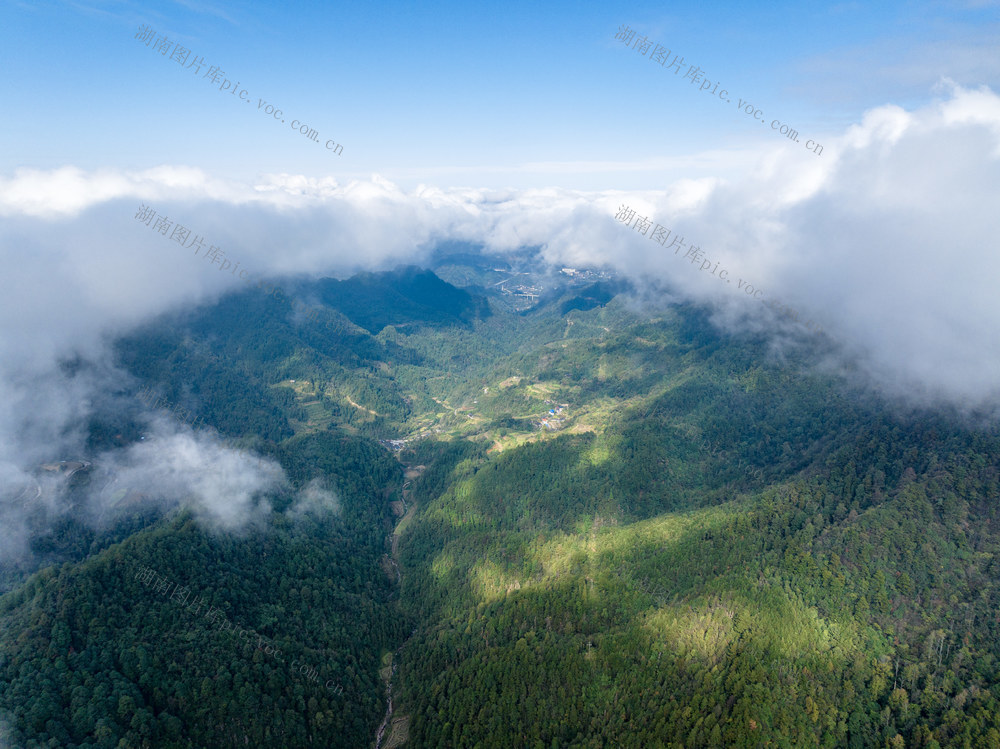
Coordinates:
[225,487]
[315,499]
[888,239]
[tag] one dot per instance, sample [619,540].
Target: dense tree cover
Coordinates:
[104,658]
[720,548]
[636,587]
[403,296]
[594,295]
[789,617]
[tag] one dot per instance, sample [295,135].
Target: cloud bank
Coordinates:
[888,241]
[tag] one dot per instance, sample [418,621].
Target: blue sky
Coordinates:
[508,126]
[511,94]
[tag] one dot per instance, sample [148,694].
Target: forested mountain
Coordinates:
[182,637]
[623,528]
[401,297]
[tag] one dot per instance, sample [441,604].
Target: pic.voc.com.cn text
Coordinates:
[179,54]
[180,594]
[661,54]
[215,255]
[660,234]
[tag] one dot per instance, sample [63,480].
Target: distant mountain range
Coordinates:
[711,543]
